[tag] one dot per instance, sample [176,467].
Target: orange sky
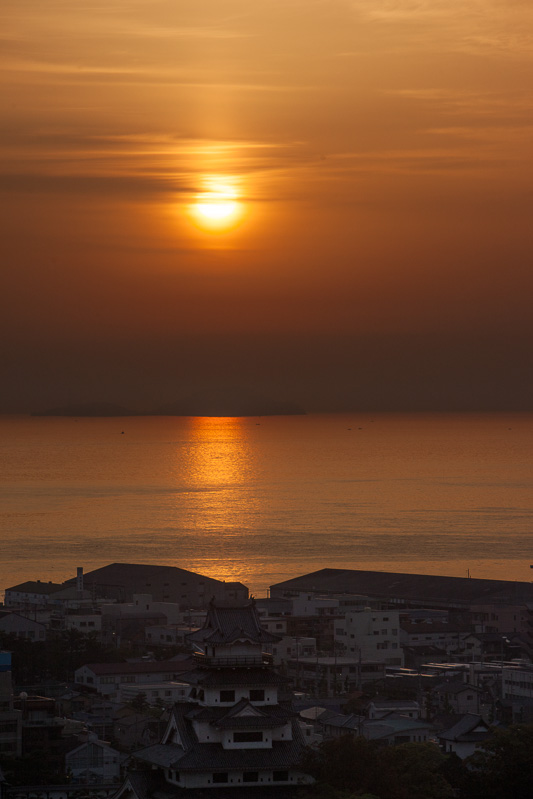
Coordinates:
[380,152]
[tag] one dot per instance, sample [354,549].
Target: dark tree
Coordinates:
[503,769]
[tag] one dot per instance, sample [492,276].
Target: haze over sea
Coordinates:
[264,499]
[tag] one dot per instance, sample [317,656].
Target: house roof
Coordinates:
[383,704]
[393,725]
[133,576]
[414,587]
[455,688]
[347,722]
[35,587]
[465,729]
[227,623]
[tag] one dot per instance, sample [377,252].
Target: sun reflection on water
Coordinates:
[220,472]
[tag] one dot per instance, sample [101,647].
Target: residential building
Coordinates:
[21,626]
[371,634]
[93,761]
[463,735]
[31,594]
[167,635]
[457,697]
[379,708]
[107,678]
[332,675]
[166,693]
[293,648]
[10,718]
[517,681]
[391,729]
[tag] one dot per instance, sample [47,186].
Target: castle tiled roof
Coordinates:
[226,624]
[195,756]
[282,755]
[229,677]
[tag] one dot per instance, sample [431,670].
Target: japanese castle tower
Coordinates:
[234,731]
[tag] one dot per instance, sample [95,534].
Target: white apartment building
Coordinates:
[310,605]
[107,679]
[371,635]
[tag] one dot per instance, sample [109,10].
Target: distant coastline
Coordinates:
[180,408]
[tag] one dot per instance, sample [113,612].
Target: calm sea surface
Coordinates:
[262,500]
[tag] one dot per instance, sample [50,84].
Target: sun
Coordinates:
[217,209]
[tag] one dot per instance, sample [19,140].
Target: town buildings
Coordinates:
[223,718]
[107,679]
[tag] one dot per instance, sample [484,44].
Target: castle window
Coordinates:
[280,776]
[227,696]
[257,695]
[220,776]
[250,776]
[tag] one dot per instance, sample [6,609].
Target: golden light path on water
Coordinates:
[263,500]
[219,468]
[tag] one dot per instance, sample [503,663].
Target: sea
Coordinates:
[263,499]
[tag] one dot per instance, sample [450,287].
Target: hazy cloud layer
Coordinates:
[381,153]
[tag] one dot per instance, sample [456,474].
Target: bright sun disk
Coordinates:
[217,208]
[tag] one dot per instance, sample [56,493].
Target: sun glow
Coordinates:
[217,208]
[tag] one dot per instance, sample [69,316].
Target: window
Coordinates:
[8,726]
[251,737]
[280,776]
[227,696]
[220,776]
[257,695]
[250,776]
